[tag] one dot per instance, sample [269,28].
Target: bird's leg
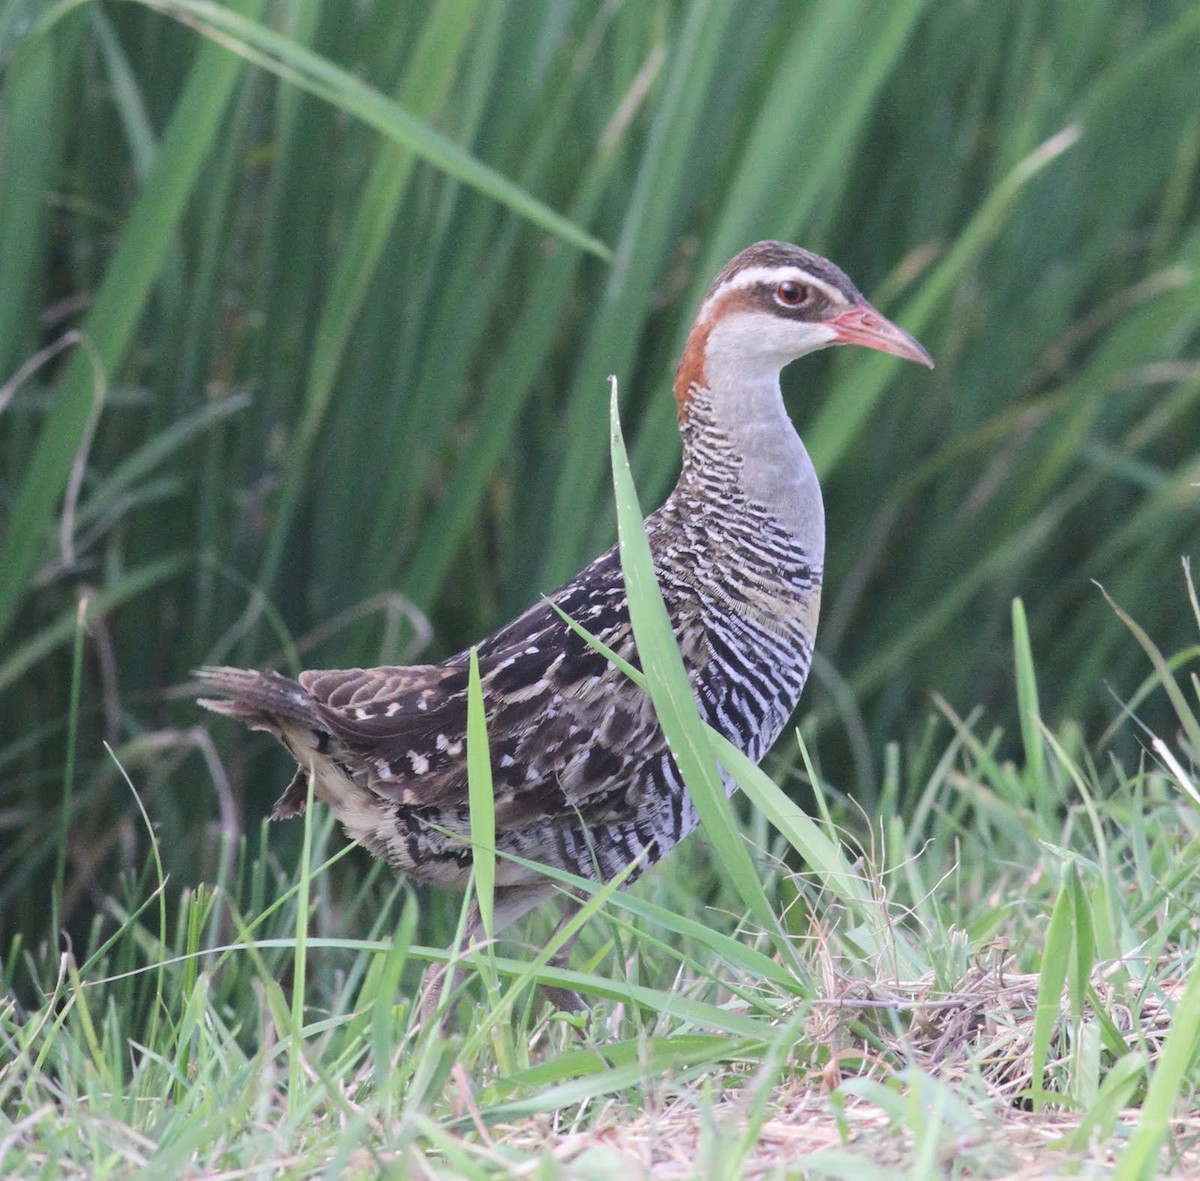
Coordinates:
[510,903]
[433,985]
[565,999]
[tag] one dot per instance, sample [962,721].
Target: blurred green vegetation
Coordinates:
[307,311]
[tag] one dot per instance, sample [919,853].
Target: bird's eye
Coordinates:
[791,294]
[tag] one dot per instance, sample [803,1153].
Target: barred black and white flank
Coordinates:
[583,779]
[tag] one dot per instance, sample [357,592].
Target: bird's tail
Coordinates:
[262,700]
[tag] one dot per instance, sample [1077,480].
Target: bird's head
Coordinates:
[772,303]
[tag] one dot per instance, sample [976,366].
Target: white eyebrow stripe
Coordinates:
[753,276]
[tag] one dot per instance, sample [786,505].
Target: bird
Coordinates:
[582,775]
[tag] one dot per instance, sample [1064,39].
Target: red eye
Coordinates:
[792,294]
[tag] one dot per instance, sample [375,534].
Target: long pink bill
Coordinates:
[865,326]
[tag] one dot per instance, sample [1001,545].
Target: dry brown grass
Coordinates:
[963,1058]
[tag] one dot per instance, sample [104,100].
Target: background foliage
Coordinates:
[307,310]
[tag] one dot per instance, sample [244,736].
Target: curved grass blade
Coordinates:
[286,59]
[667,683]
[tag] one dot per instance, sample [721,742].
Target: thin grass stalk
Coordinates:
[382,1004]
[130,587]
[68,785]
[296,1055]
[1188,719]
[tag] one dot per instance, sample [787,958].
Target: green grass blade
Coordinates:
[386,992]
[481,797]
[1056,963]
[1168,1080]
[821,853]
[68,787]
[156,453]
[296,1063]
[667,683]
[1030,708]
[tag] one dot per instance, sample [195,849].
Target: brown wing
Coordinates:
[567,731]
[403,728]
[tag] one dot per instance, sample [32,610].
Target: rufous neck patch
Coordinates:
[691,374]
